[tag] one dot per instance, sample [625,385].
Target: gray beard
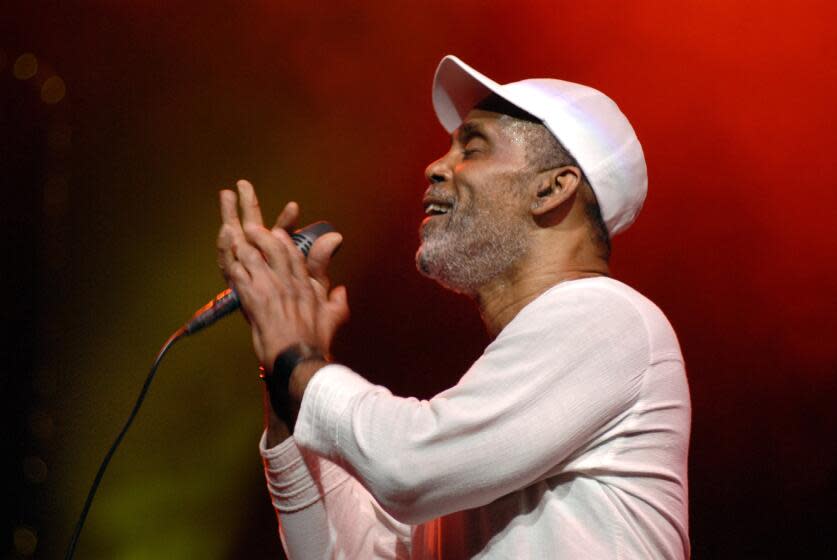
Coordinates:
[470,250]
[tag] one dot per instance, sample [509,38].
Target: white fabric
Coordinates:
[567,438]
[586,122]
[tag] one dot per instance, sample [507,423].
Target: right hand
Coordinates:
[285,299]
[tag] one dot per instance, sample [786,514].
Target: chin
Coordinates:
[441,273]
[421,263]
[425,264]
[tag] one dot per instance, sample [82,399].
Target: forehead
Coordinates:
[479,121]
[497,128]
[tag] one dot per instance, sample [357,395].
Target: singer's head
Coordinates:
[519,196]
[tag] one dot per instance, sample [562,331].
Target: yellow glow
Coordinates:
[26,66]
[53,90]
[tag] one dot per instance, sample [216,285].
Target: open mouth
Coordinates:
[437,208]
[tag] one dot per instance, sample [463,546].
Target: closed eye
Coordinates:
[474,145]
[471,139]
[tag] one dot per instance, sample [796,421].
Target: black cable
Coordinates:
[87,503]
[223,304]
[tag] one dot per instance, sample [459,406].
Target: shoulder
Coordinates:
[598,311]
[662,339]
[600,301]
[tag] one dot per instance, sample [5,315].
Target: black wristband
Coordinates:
[279,379]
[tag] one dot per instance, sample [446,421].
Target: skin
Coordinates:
[485,171]
[496,196]
[286,300]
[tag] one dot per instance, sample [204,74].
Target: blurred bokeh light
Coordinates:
[26,66]
[53,90]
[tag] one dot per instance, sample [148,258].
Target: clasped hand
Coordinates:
[285,299]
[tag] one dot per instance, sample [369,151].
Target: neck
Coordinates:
[503,298]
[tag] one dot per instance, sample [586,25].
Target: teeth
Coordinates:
[434,209]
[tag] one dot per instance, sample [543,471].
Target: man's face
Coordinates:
[477,223]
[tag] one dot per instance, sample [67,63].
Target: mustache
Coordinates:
[440,195]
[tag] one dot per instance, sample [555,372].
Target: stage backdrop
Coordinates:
[122,120]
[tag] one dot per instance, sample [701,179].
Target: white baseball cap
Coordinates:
[586,122]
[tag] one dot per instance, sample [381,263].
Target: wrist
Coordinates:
[271,357]
[301,376]
[276,429]
[284,387]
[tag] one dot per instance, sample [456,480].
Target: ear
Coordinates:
[556,187]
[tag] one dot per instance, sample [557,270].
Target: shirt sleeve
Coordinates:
[324,513]
[565,368]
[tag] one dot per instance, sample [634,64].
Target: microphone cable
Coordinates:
[177,335]
[223,304]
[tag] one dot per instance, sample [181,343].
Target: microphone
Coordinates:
[227,301]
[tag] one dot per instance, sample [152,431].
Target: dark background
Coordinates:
[110,214]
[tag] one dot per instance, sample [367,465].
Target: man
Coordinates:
[567,438]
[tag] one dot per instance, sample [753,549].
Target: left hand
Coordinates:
[285,300]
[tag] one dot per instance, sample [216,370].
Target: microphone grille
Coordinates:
[305,237]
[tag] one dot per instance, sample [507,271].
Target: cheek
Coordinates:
[497,188]
[472,182]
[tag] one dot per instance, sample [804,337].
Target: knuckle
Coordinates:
[283,236]
[252,229]
[237,274]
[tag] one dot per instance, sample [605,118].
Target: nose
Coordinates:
[439,171]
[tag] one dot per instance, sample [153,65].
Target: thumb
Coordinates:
[287,218]
[338,302]
[320,257]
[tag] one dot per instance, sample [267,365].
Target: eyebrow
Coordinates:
[466,131]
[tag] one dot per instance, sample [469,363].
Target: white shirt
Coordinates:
[568,438]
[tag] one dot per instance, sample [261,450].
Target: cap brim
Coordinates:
[456,89]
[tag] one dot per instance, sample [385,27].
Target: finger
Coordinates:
[250,211]
[295,258]
[230,234]
[238,274]
[252,259]
[338,302]
[226,241]
[320,257]
[229,212]
[272,249]
[286,219]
